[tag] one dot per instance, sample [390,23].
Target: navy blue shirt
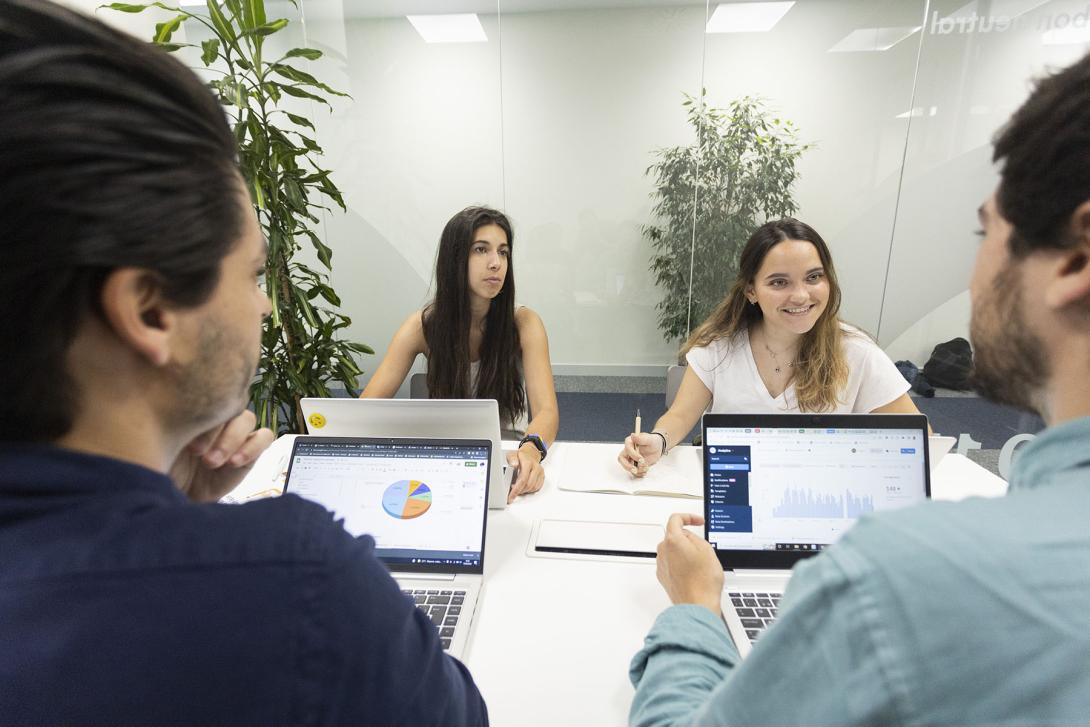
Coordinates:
[122,603]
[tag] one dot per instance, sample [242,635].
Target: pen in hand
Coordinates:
[635,440]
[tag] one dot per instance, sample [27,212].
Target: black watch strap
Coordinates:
[537,442]
[663,452]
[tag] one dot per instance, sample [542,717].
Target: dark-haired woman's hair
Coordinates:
[112,154]
[447,321]
[1045,149]
[821,369]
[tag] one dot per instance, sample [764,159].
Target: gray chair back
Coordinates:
[418,386]
[674,375]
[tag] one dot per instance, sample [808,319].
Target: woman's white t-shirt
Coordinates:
[727,368]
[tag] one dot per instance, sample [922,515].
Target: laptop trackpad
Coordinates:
[580,537]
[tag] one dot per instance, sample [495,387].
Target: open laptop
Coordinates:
[442,418]
[782,487]
[424,503]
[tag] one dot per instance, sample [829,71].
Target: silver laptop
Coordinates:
[782,487]
[424,503]
[442,418]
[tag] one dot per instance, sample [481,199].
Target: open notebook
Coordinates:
[594,468]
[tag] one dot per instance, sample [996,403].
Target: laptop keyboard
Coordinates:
[756,610]
[443,607]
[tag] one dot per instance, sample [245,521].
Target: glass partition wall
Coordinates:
[581,120]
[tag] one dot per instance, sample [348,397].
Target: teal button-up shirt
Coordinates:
[950,613]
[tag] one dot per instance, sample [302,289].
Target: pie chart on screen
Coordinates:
[406,499]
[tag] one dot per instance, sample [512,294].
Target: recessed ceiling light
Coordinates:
[746,17]
[918,111]
[458,28]
[872,39]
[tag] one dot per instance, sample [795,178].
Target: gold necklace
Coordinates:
[775,359]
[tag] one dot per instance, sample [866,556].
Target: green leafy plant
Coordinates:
[302,352]
[709,197]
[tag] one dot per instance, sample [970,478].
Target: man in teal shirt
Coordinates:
[968,613]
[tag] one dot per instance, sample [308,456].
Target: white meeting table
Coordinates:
[552,636]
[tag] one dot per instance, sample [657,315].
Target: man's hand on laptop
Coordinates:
[531,475]
[215,462]
[687,566]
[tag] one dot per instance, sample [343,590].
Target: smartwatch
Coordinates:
[537,442]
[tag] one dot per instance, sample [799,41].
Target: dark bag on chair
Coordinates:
[950,365]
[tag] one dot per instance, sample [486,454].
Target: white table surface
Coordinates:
[553,637]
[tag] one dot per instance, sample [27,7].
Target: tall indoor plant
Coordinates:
[709,197]
[302,352]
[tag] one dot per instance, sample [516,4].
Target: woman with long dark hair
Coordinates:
[776,344]
[479,345]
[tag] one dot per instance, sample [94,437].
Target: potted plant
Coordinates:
[302,352]
[737,175]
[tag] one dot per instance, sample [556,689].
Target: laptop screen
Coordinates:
[423,501]
[797,489]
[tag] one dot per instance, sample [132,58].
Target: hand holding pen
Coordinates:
[641,450]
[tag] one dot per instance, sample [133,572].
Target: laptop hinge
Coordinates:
[427,576]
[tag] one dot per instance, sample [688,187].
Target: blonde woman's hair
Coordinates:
[821,369]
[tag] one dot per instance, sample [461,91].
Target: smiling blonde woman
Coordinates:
[776,344]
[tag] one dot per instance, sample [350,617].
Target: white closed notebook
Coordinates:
[594,468]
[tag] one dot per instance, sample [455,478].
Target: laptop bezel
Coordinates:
[414,567]
[423,418]
[785,560]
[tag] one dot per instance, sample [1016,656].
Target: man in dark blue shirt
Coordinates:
[130,324]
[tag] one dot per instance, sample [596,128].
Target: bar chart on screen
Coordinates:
[799,502]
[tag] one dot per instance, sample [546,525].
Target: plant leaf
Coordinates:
[300,93]
[257,10]
[219,21]
[126,7]
[300,120]
[311,54]
[164,30]
[325,254]
[250,12]
[211,49]
[259,194]
[268,28]
[294,74]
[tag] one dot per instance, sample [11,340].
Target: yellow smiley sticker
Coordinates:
[317,420]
